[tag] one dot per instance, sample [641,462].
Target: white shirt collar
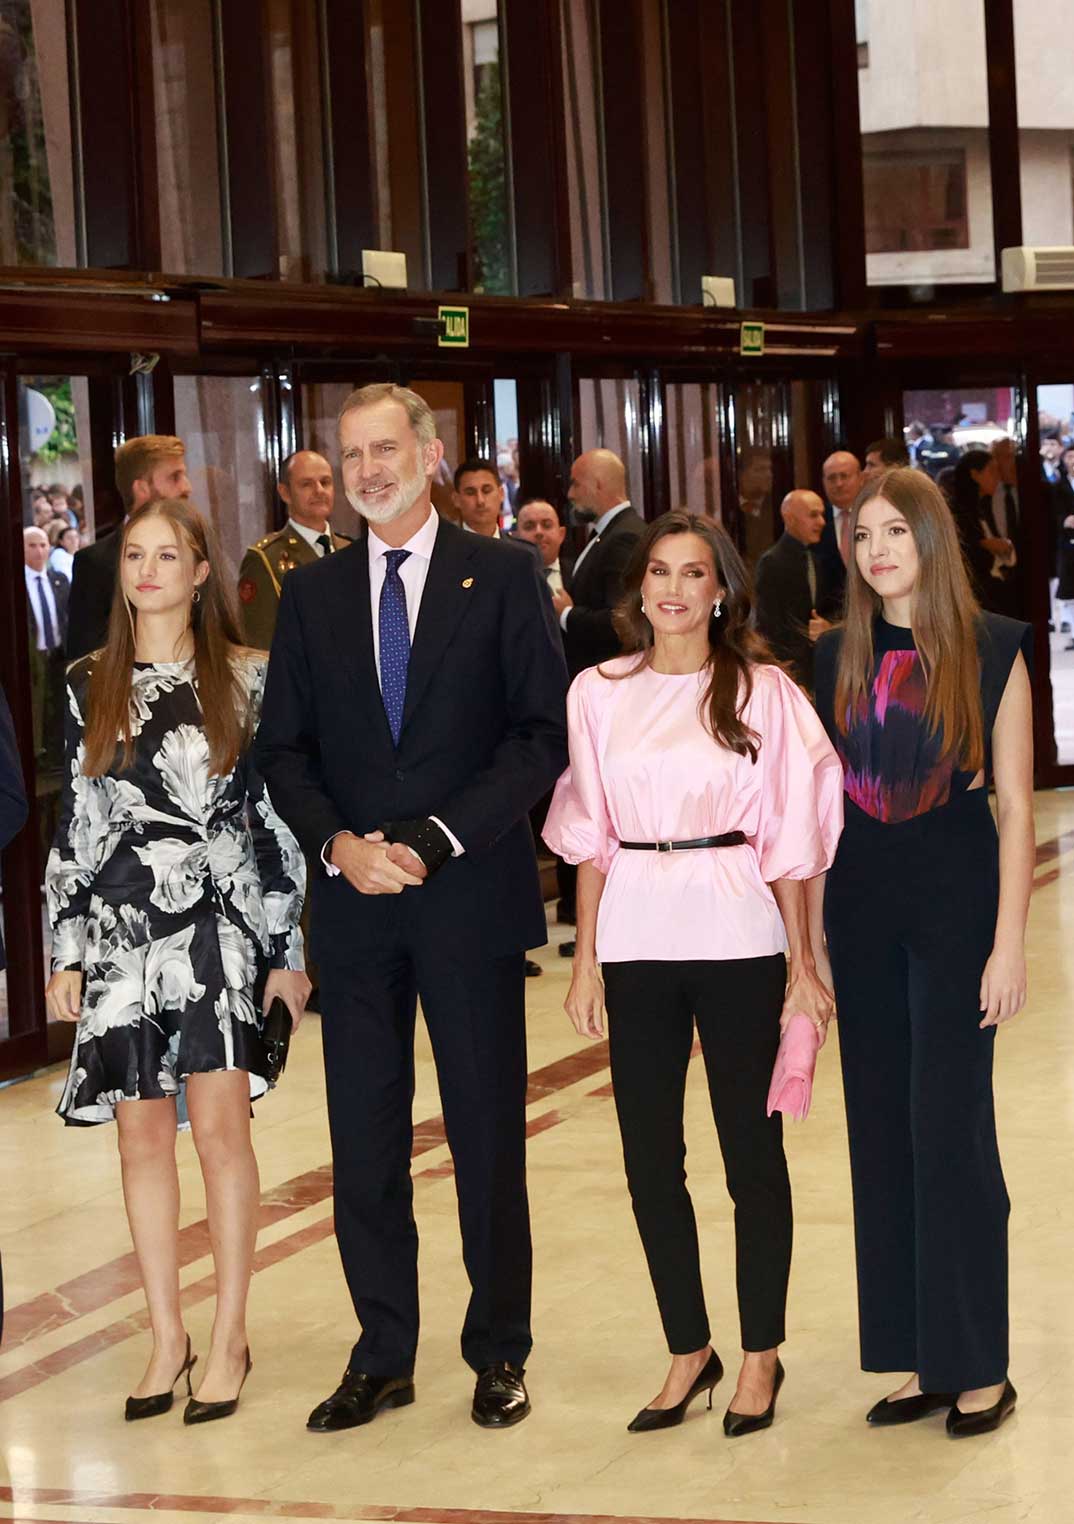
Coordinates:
[31,573]
[310,536]
[496,536]
[420,543]
[605,519]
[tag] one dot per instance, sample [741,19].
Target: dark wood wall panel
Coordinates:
[620,42]
[243,83]
[717,125]
[1003,149]
[751,153]
[534,101]
[446,181]
[100,35]
[348,156]
[845,179]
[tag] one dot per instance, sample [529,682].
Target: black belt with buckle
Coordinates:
[730,839]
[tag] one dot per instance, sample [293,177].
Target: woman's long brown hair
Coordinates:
[215,627]
[943,621]
[734,647]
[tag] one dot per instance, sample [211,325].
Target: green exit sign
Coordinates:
[454,328]
[751,339]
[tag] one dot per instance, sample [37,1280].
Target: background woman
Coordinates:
[923,695]
[697,742]
[173,889]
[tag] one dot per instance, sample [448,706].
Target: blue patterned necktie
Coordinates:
[47,630]
[394,641]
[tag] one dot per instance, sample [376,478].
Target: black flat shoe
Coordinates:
[160,1402]
[886,1413]
[500,1396]
[205,1412]
[533,970]
[961,1425]
[358,1399]
[737,1424]
[667,1418]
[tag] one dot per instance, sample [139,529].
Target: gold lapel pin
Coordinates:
[468,582]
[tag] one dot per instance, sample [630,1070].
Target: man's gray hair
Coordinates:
[422,420]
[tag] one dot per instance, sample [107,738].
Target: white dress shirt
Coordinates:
[598,529]
[310,535]
[413,574]
[35,581]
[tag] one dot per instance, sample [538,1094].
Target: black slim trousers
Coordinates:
[910,913]
[736,1003]
[474,1009]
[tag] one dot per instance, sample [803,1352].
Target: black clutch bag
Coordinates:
[276,1035]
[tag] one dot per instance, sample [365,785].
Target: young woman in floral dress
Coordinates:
[174,893]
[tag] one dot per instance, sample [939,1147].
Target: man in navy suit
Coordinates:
[414,712]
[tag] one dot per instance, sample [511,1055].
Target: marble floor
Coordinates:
[75,1334]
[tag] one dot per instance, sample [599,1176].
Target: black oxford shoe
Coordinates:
[500,1397]
[358,1399]
[885,1413]
[961,1425]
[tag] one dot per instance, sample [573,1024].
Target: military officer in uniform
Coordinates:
[307,487]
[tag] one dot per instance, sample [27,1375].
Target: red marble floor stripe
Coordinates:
[151,1502]
[95,1288]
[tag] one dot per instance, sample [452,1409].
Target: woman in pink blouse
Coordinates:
[702,792]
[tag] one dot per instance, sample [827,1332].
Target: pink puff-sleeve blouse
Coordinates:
[645,767]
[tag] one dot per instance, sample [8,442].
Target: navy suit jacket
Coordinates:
[483,738]
[93,581]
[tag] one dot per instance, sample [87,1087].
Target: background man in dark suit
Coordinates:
[598,494]
[539,523]
[842,477]
[414,712]
[47,595]
[793,606]
[148,466]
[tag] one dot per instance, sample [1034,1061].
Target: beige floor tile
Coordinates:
[599,1354]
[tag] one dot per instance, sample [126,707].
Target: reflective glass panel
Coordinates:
[693,441]
[923,93]
[581,84]
[37,209]
[56,483]
[610,417]
[486,147]
[296,87]
[221,421]
[187,145]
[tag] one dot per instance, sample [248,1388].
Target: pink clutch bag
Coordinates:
[791,1089]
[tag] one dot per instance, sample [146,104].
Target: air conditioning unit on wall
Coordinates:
[1040,269]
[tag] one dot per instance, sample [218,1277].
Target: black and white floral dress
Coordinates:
[175,892]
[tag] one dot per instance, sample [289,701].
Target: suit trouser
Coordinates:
[474,1009]
[652,1007]
[910,912]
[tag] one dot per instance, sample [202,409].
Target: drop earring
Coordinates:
[643,605]
[717,608]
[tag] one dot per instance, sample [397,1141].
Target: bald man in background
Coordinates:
[598,494]
[793,604]
[842,477]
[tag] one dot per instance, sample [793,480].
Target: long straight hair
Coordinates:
[943,619]
[734,647]
[215,627]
